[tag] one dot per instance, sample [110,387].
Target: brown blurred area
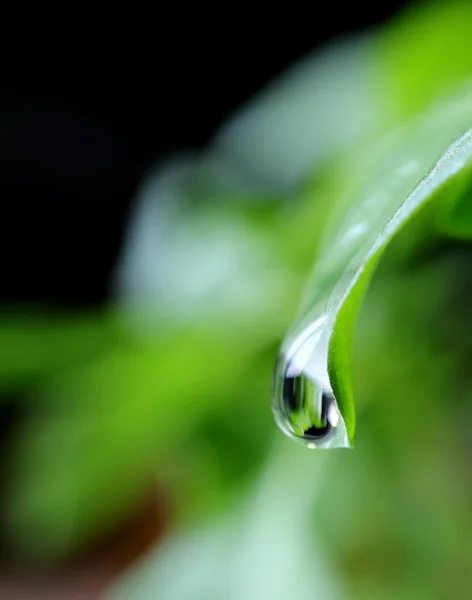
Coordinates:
[87,577]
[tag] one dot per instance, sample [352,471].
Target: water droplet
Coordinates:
[304,405]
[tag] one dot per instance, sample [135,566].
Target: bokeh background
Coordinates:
[165,182]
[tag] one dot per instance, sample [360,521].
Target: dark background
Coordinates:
[85,113]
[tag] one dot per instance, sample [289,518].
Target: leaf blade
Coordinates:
[382,190]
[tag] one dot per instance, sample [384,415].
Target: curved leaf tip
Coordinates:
[383,189]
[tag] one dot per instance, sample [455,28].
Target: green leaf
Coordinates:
[422,54]
[376,193]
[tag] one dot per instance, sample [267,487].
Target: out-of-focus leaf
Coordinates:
[257,550]
[310,113]
[169,259]
[95,433]
[454,215]
[421,55]
[34,345]
[408,480]
[376,194]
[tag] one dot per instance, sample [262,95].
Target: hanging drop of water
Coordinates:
[304,406]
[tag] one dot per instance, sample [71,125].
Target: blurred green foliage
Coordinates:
[422,54]
[109,405]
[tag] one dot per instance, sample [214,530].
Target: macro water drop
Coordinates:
[303,403]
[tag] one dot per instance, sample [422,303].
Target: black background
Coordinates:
[84,113]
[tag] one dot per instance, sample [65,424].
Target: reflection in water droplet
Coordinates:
[304,405]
